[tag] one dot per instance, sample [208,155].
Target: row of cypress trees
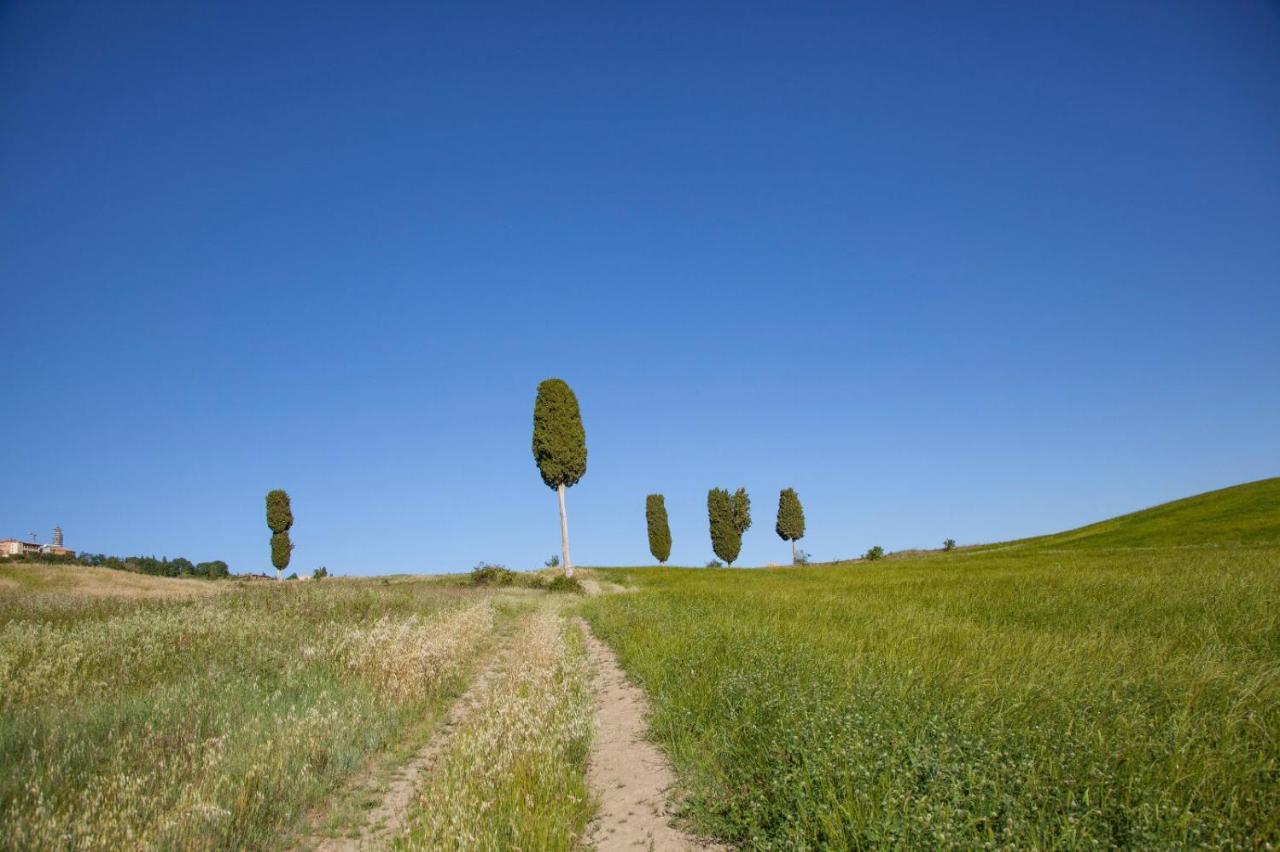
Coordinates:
[729,516]
[560,451]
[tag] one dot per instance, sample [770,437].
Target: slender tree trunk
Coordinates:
[564,535]
[793,551]
[279,574]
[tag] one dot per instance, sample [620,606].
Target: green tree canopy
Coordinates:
[279,519]
[790,526]
[281,548]
[559,448]
[655,514]
[790,516]
[729,516]
[559,441]
[279,513]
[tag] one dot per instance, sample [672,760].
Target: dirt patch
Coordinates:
[387,818]
[627,773]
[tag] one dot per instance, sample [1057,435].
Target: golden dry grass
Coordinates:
[100,582]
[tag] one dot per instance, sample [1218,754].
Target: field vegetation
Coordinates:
[1117,685]
[216,721]
[515,777]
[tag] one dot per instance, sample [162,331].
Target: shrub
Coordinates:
[565,584]
[715,563]
[949,544]
[553,561]
[488,574]
[874,553]
[802,557]
[320,573]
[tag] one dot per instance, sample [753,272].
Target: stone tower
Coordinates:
[57,536]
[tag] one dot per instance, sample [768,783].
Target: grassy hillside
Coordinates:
[1117,688]
[1246,514]
[46,578]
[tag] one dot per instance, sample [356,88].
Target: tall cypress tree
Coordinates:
[279,519]
[790,525]
[559,447]
[729,516]
[655,514]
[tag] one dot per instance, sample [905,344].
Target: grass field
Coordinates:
[1117,685]
[215,721]
[1114,686]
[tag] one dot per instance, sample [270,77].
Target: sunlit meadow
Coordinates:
[1023,697]
[214,722]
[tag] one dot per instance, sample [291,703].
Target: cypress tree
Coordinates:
[655,513]
[790,519]
[559,447]
[729,516]
[279,519]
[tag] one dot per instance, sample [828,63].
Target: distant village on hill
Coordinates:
[17,547]
[56,551]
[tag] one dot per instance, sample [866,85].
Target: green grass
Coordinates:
[1067,692]
[1246,514]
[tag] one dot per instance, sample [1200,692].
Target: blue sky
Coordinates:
[965,270]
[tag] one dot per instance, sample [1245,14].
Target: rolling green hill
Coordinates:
[1241,514]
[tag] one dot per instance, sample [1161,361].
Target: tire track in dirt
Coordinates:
[628,774]
[387,819]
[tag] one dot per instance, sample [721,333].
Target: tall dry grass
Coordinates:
[514,776]
[211,723]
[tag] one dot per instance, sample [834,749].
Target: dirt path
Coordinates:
[387,819]
[628,774]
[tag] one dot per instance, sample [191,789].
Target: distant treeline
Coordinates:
[164,567]
[177,567]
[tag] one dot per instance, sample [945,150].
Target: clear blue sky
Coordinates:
[967,270]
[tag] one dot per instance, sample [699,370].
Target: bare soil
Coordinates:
[629,775]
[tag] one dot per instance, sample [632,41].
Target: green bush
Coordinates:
[874,553]
[565,584]
[488,574]
[949,544]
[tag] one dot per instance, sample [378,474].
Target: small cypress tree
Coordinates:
[279,519]
[729,516]
[790,526]
[559,447]
[655,514]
